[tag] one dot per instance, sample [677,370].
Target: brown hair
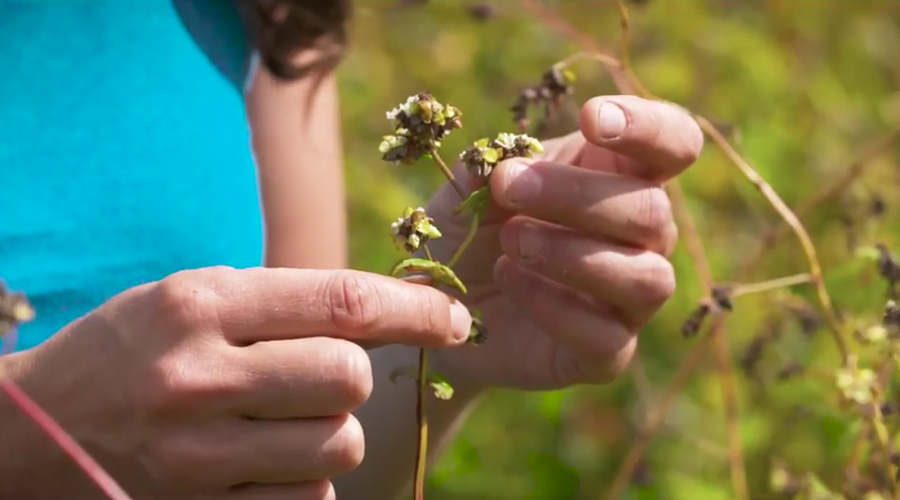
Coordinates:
[283,28]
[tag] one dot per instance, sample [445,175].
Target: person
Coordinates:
[139,140]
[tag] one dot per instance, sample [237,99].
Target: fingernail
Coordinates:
[530,242]
[460,320]
[522,184]
[612,120]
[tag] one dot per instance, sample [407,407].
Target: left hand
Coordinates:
[572,259]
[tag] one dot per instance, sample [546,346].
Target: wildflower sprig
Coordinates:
[420,124]
[14,310]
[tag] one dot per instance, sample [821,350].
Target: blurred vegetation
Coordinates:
[800,86]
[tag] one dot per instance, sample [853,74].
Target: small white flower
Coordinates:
[403,108]
[506,140]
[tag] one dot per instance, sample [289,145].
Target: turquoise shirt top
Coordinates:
[124,149]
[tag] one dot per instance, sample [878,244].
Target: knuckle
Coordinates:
[653,216]
[353,373]
[186,298]
[352,304]
[656,282]
[176,384]
[349,445]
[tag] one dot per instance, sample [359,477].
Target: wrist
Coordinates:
[24,450]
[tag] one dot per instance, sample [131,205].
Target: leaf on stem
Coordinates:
[477,202]
[439,272]
[438,383]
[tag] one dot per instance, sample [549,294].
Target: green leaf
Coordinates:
[476,203]
[446,276]
[438,271]
[438,383]
[413,265]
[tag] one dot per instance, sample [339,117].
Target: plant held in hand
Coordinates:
[420,124]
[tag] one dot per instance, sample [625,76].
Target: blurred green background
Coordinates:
[801,85]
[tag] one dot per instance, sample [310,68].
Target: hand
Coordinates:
[217,383]
[572,262]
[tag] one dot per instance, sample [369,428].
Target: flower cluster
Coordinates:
[856,384]
[14,309]
[420,124]
[556,83]
[481,159]
[414,229]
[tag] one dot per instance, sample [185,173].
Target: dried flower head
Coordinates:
[14,309]
[555,84]
[414,229]
[891,317]
[484,155]
[420,124]
[888,264]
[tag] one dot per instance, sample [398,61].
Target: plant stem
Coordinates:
[473,229]
[448,174]
[62,438]
[884,442]
[422,418]
[773,284]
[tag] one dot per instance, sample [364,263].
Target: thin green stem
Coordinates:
[422,417]
[773,284]
[473,229]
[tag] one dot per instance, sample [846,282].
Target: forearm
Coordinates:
[389,422]
[297,144]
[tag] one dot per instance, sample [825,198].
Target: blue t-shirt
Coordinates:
[124,149]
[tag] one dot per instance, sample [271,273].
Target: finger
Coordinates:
[260,304]
[301,378]
[638,282]
[661,138]
[311,490]
[238,452]
[620,208]
[600,344]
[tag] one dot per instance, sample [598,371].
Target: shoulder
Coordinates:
[217,29]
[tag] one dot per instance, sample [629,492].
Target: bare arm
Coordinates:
[297,143]
[296,139]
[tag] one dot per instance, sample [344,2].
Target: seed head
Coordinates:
[420,124]
[414,229]
[484,155]
[555,84]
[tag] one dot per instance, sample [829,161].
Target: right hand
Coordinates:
[220,383]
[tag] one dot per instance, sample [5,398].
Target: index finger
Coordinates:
[263,304]
[658,140]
